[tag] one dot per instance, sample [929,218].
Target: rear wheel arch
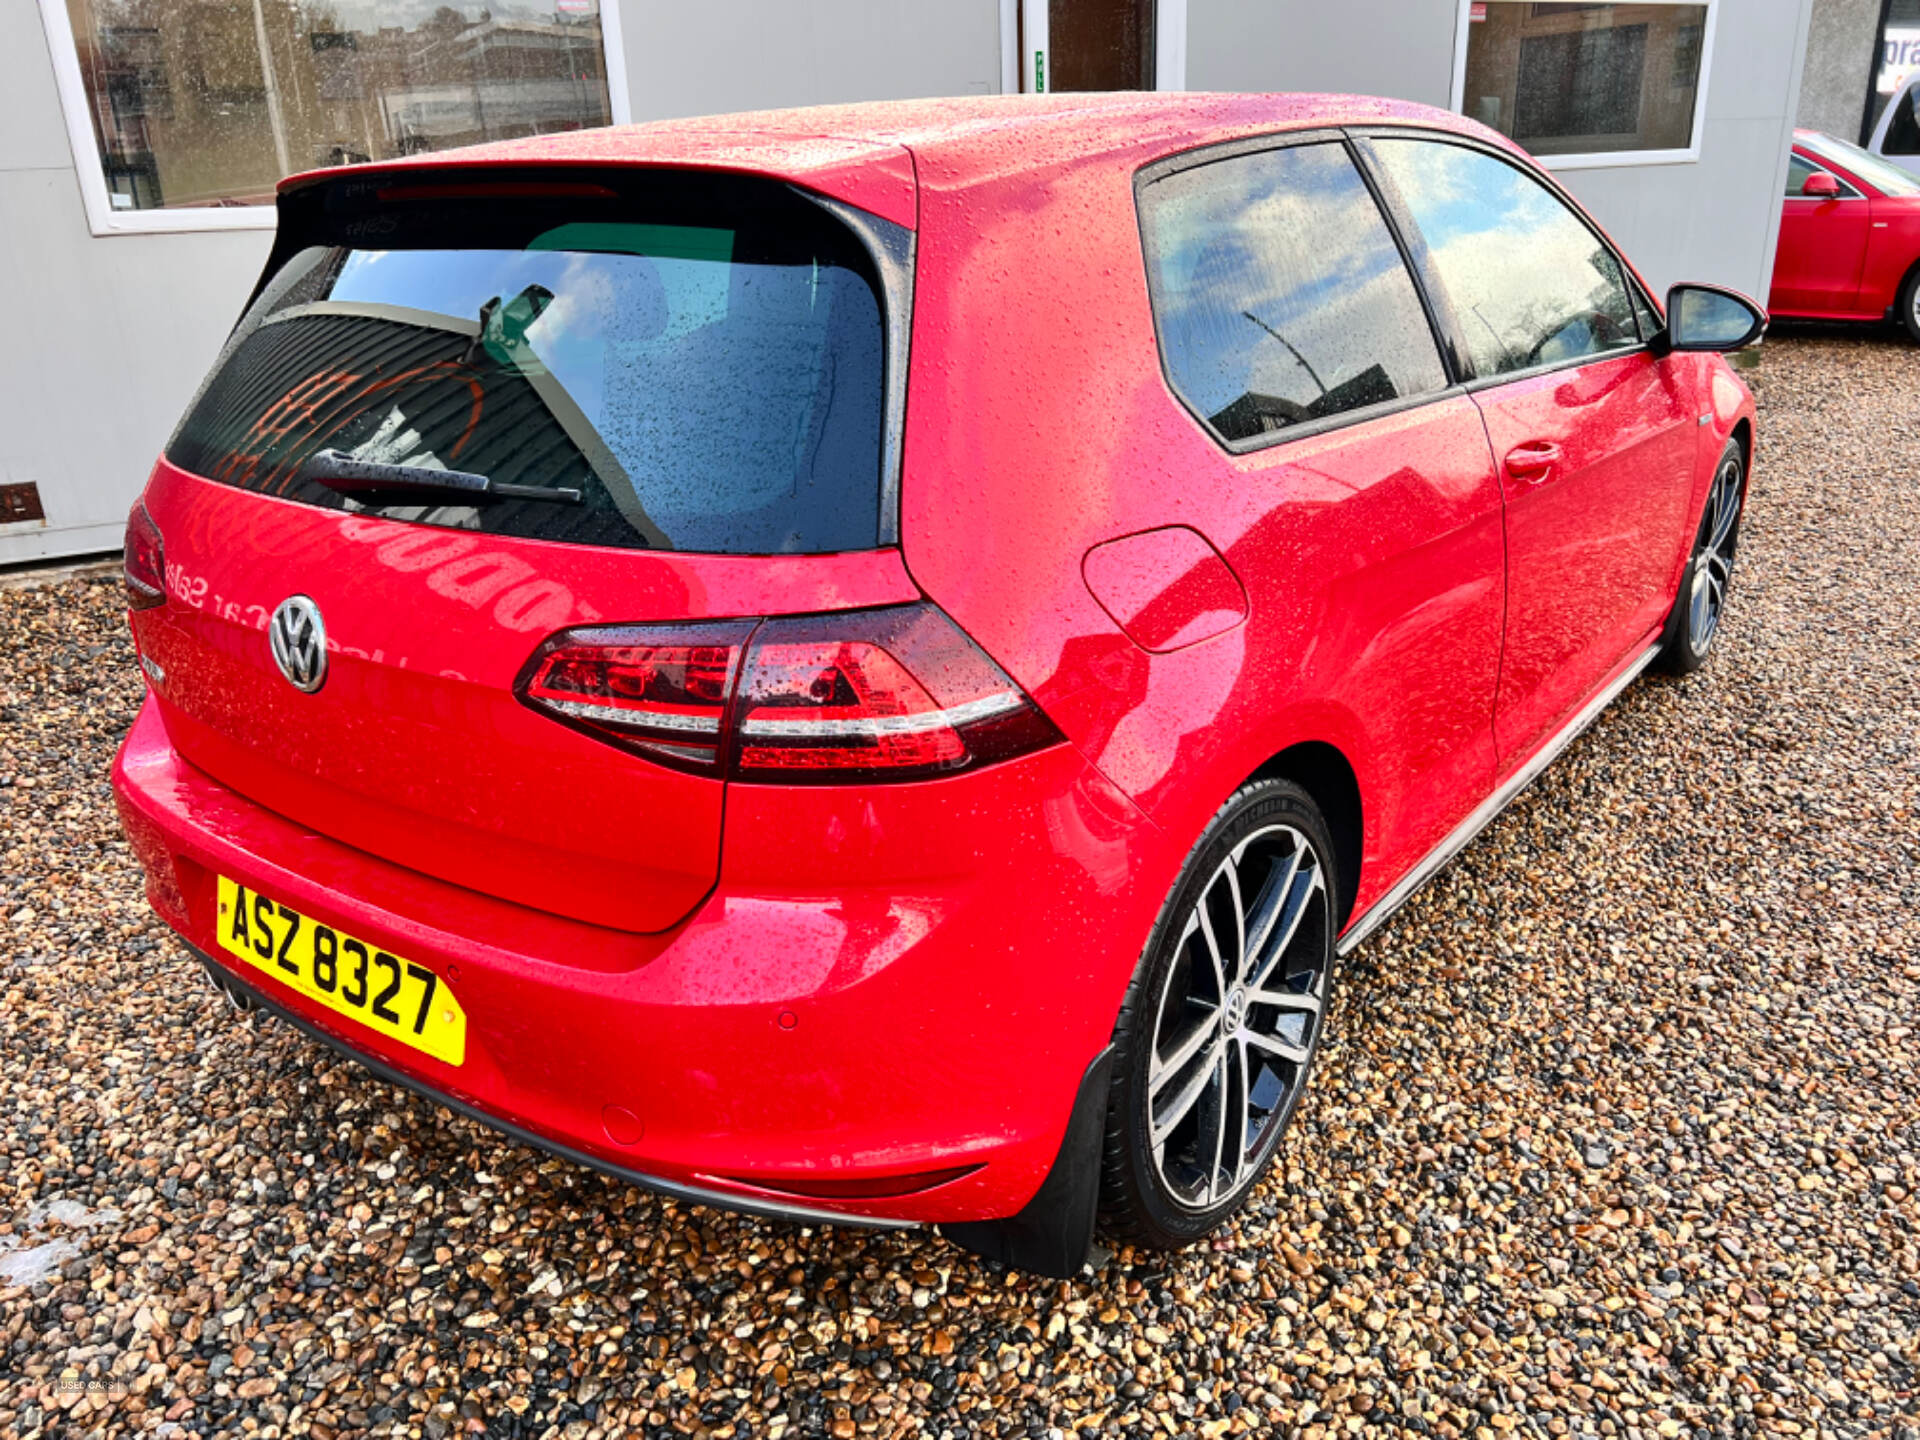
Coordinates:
[1743,435]
[1325,773]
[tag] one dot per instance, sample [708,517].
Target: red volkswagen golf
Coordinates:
[863,664]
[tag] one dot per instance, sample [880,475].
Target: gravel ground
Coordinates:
[1616,1135]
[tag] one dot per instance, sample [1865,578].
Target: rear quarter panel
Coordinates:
[1039,426]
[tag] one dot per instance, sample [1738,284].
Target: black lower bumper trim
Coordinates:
[247,994]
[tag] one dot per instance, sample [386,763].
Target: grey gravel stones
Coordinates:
[1616,1133]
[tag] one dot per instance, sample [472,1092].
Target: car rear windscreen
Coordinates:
[690,363]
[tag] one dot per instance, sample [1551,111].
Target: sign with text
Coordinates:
[1899,59]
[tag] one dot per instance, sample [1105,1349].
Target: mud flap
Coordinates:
[1053,1234]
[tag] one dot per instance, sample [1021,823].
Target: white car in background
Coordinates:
[1897,135]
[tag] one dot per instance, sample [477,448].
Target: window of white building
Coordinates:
[1587,84]
[195,109]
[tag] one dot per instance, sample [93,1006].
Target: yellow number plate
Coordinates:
[400,999]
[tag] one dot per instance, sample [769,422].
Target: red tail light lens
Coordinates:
[661,691]
[891,694]
[145,563]
[894,694]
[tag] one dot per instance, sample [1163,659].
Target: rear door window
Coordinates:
[1530,284]
[702,364]
[1279,293]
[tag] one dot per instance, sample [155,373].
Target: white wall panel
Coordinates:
[723,55]
[109,338]
[1402,48]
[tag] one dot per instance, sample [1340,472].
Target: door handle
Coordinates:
[1533,461]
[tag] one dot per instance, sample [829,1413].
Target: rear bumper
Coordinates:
[243,990]
[887,982]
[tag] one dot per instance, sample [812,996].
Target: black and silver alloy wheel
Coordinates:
[1698,610]
[1713,564]
[1237,1016]
[1906,308]
[1223,1021]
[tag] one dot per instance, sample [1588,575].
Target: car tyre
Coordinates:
[1694,622]
[1907,307]
[1223,1019]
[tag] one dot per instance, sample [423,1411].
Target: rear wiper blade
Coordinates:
[349,476]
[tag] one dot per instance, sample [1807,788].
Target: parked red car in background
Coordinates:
[1849,236]
[862,664]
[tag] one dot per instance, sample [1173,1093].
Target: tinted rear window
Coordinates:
[1280,295]
[701,359]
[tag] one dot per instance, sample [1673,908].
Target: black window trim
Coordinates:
[1443,343]
[1426,277]
[892,247]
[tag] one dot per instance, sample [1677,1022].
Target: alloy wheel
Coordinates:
[1239,1017]
[1713,567]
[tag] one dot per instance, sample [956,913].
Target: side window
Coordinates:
[1529,283]
[1279,293]
[1799,168]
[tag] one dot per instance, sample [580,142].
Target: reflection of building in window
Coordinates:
[133,86]
[1577,78]
[500,77]
[1581,82]
[1687,41]
[211,102]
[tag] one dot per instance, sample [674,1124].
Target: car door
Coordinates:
[1592,435]
[1823,241]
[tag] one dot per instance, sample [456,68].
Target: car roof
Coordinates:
[968,137]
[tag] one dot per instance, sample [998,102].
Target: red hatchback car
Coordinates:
[862,664]
[1849,236]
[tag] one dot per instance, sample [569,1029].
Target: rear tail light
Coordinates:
[145,564]
[661,691]
[894,694]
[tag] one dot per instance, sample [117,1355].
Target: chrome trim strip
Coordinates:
[1438,858]
[953,716]
[632,719]
[228,981]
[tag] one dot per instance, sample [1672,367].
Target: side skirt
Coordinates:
[1438,858]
